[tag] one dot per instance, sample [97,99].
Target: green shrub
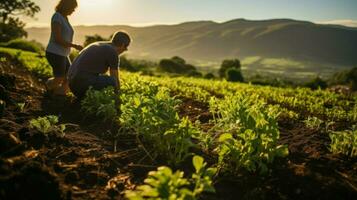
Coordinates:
[175,65]
[272,81]
[127,64]
[134,65]
[352,78]
[25,45]
[227,64]
[348,77]
[89,39]
[143,65]
[194,73]
[317,83]
[234,75]
[209,76]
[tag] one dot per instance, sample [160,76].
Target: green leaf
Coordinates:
[282,151]
[197,162]
[148,191]
[225,137]
[211,171]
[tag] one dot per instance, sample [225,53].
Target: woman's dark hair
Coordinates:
[65,5]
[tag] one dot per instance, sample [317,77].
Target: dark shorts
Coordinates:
[59,64]
[80,84]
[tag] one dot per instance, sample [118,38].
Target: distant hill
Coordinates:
[211,41]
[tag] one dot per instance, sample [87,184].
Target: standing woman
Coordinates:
[59,46]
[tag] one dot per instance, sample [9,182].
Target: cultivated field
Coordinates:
[173,138]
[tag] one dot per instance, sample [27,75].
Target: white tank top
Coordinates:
[67,35]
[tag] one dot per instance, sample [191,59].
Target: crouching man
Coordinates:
[90,67]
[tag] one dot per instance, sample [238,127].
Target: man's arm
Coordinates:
[114,73]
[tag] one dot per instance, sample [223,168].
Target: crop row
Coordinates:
[323,104]
[247,139]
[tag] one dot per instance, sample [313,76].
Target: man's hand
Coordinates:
[78,47]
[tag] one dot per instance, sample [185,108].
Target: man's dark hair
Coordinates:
[119,38]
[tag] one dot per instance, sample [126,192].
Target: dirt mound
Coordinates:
[28,180]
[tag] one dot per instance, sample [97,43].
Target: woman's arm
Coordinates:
[56,29]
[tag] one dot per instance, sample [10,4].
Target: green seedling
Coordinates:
[48,124]
[164,184]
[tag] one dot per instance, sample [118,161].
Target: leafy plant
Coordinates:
[202,178]
[100,103]
[313,122]
[164,184]
[48,124]
[251,133]
[89,39]
[177,141]
[150,110]
[344,142]
[20,106]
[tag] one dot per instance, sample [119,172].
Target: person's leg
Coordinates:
[102,81]
[80,84]
[59,65]
[65,80]
[77,88]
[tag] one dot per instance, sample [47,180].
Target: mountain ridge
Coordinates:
[213,41]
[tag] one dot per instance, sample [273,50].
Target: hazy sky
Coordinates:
[147,12]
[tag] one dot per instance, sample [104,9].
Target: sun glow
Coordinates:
[94,5]
[96,11]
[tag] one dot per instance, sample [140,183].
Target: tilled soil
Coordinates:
[80,165]
[90,163]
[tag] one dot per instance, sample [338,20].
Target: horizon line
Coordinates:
[342,22]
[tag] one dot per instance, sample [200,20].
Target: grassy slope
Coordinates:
[34,62]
